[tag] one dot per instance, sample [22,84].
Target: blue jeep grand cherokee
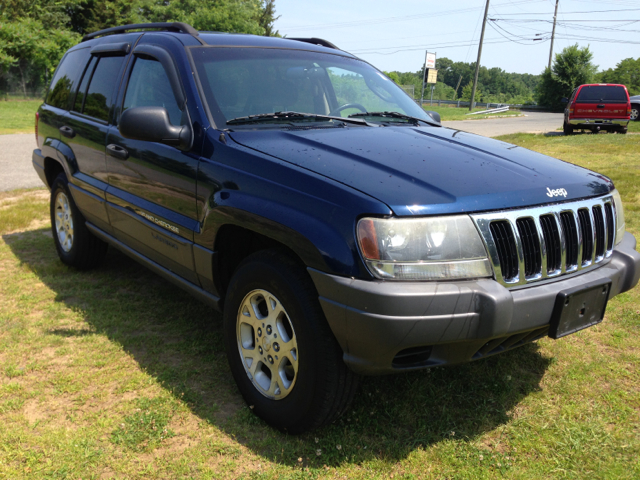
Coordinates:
[338,226]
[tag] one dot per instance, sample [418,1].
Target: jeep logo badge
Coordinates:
[556,193]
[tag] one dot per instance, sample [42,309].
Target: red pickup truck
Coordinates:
[595,107]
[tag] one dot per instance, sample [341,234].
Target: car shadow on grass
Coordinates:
[178,341]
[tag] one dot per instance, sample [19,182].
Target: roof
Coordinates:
[185,31]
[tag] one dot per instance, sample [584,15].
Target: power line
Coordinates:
[377,21]
[571,13]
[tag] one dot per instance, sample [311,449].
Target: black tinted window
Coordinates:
[66,78]
[602,94]
[98,99]
[149,87]
[77,106]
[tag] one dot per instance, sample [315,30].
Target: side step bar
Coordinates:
[189,287]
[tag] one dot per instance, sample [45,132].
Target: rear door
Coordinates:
[601,102]
[59,97]
[85,132]
[152,186]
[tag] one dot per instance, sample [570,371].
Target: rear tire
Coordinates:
[567,129]
[76,245]
[623,130]
[282,353]
[635,112]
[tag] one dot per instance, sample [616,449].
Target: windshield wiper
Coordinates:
[397,115]
[293,117]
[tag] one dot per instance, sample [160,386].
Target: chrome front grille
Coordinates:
[538,243]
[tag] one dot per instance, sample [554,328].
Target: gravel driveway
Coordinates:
[16,170]
[532,122]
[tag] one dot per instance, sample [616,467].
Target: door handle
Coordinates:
[67,131]
[601,105]
[117,151]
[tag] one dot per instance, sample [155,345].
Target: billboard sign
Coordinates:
[431,76]
[430,61]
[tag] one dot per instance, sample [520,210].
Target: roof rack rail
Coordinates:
[168,27]
[315,41]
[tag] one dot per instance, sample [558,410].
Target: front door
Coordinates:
[152,187]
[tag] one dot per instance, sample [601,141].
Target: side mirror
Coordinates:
[564,100]
[434,115]
[152,125]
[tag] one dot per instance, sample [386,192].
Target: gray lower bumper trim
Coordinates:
[374,320]
[599,122]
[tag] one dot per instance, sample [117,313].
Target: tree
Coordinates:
[466,92]
[239,16]
[627,72]
[571,67]
[31,52]
[393,76]
[267,18]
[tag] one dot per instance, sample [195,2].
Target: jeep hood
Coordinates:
[429,170]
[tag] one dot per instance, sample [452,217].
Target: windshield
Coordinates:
[241,82]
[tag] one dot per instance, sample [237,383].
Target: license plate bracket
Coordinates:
[579,307]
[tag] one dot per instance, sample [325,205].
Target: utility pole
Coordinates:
[475,79]
[424,71]
[553,33]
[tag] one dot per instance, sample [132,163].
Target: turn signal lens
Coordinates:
[368,238]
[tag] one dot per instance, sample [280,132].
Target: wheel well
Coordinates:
[52,168]
[233,244]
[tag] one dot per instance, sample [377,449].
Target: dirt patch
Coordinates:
[8,199]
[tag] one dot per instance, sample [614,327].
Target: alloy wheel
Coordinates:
[64,222]
[267,344]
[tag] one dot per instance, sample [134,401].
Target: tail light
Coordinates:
[37,118]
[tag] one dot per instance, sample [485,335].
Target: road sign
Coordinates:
[431,75]
[430,61]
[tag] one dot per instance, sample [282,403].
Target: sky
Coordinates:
[393,35]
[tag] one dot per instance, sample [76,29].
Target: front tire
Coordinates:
[635,112]
[76,245]
[282,353]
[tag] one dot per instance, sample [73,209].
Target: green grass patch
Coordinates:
[450,112]
[18,116]
[115,373]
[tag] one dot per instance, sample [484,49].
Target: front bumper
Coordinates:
[613,123]
[386,327]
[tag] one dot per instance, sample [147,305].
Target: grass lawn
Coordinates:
[114,373]
[18,116]
[450,112]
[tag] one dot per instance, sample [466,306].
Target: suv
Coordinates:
[635,107]
[595,107]
[338,226]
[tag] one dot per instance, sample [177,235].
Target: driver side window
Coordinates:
[149,87]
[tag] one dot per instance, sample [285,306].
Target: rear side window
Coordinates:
[602,94]
[67,77]
[149,87]
[104,80]
[79,102]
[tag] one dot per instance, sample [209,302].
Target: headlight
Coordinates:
[620,226]
[437,248]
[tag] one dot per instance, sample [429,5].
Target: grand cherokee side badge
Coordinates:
[556,193]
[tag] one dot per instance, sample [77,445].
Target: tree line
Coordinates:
[455,80]
[35,34]
[571,67]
